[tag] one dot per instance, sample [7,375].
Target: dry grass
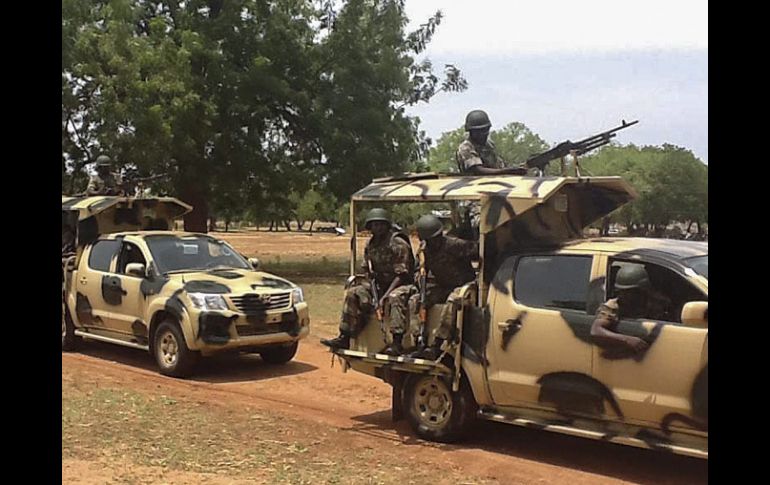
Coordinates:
[136,438]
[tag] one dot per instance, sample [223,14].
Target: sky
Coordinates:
[569,69]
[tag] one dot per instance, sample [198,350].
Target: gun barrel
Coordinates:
[592,146]
[583,146]
[609,133]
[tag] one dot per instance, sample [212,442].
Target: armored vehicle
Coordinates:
[129,280]
[522,350]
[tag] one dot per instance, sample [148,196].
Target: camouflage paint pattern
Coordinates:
[164,296]
[530,215]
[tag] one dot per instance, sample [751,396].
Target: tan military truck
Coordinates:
[128,280]
[522,351]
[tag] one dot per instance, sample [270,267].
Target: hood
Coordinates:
[231,281]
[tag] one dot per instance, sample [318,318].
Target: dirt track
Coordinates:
[356,408]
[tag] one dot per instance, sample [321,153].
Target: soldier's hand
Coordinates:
[381,303]
[637,344]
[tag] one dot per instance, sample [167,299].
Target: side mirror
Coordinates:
[695,314]
[136,269]
[254,262]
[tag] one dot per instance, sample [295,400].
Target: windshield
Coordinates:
[192,253]
[700,264]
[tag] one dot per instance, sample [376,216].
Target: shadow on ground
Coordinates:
[224,368]
[622,462]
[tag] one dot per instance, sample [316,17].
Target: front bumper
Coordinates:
[220,330]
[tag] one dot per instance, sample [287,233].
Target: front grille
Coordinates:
[253,304]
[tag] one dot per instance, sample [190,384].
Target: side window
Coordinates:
[101,254]
[129,254]
[553,281]
[665,297]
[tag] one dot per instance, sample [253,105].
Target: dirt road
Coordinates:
[352,411]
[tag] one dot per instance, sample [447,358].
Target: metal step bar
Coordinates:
[397,362]
[111,340]
[596,435]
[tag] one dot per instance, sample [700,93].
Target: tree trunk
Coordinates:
[195,220]
[227,225]
[300,224]
[311,225]
[287,224]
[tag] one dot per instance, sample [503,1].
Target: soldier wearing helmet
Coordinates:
[104,182]
[449,260]
[635,299]
[390,255]
[477,155]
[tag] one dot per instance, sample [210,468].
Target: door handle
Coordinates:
[510,324]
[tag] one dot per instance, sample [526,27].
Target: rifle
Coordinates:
[375,295]
[541,160]
[423,309]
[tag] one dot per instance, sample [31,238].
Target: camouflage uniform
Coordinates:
[390,257]
[103,186]
[470,154]
[450,263]
[657,307]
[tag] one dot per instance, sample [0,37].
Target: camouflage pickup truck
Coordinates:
[129,281]
[523,350]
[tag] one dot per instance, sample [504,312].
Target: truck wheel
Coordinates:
[279,355]
[434,411]
[171,353]
[69,341]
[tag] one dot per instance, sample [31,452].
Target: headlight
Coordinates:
[297,296]
[205,301]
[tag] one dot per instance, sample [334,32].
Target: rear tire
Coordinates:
[434,411]
[279,355]
[171,353]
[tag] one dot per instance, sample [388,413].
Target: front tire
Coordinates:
[434,411]
[69,341]
[171,353]
[279,355]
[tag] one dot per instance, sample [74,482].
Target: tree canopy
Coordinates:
[244,102]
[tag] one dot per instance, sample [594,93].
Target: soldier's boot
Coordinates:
[342,341]
[396,348]
[431,353]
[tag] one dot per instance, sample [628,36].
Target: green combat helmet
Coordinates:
[477,120]
[428,227]
[630,277]
[377,214]
[103,161]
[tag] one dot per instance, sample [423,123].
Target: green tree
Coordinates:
[245,98]
[671,182]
